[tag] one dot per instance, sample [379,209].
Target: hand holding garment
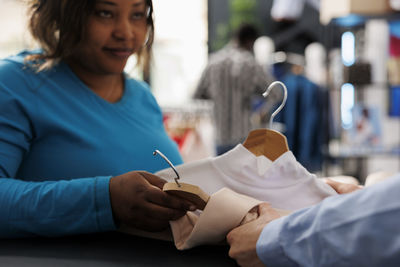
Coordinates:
[356,229]
[224,211]
[284,183]
[238,181]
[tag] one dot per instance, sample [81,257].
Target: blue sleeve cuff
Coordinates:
[269,248]
[104,216]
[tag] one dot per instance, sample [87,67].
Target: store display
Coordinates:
[395,4]
[192,128]
[358,74]
[374,47]
[366,128]
[393,66]
[394,109]
[332,9]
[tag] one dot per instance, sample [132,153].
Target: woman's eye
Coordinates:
[138,15]
[104,14]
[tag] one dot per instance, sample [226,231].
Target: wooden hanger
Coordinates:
[189,192]
[267,142]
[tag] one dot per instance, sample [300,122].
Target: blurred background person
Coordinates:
[230,79]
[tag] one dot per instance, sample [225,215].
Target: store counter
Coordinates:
[107,249]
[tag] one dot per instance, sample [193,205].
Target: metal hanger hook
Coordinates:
[170,164]
[266,93]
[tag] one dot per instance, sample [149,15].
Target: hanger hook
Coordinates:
[266,93]
[170,164]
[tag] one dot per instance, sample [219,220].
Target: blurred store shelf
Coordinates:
[342,8]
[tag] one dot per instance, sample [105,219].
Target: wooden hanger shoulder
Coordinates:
[189,192]
[269,143]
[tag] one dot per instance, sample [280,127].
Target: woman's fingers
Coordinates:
[342,188]
[137,199]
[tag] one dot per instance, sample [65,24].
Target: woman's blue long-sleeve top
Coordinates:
[357,229]
[60,144]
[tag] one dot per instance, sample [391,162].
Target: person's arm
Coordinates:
[54,208]
[46,208]
[356,229]
[203,87]
[70,206]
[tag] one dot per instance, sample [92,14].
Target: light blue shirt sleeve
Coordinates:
[357,229]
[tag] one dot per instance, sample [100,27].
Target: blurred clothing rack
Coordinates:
[287,57]
[192,127]
[194,107]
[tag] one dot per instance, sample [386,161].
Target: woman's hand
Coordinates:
[243,239]
[137,200]
[342,188]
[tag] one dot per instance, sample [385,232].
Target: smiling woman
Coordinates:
[60,34]
[115,30]
[75,128]
[94,37]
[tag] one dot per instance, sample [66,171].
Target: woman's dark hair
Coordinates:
[59,26]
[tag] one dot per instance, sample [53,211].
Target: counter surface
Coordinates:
[107,249]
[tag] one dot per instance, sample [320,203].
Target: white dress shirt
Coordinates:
[284,183]
[238,181]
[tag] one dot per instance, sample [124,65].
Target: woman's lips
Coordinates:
[119,52]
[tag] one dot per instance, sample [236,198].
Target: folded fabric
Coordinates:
[225,210]
[284,183]
[237,182]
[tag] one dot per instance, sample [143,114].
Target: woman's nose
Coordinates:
[124,30]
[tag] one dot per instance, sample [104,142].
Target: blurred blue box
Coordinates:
[394,98]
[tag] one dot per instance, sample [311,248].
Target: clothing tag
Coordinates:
[263,164]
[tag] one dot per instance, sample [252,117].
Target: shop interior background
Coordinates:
[354,58]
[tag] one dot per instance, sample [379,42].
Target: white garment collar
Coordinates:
[240,161]
[239,157]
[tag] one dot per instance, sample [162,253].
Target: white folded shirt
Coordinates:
[237,182]
[284,183]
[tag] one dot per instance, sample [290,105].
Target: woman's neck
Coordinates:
[110,87]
